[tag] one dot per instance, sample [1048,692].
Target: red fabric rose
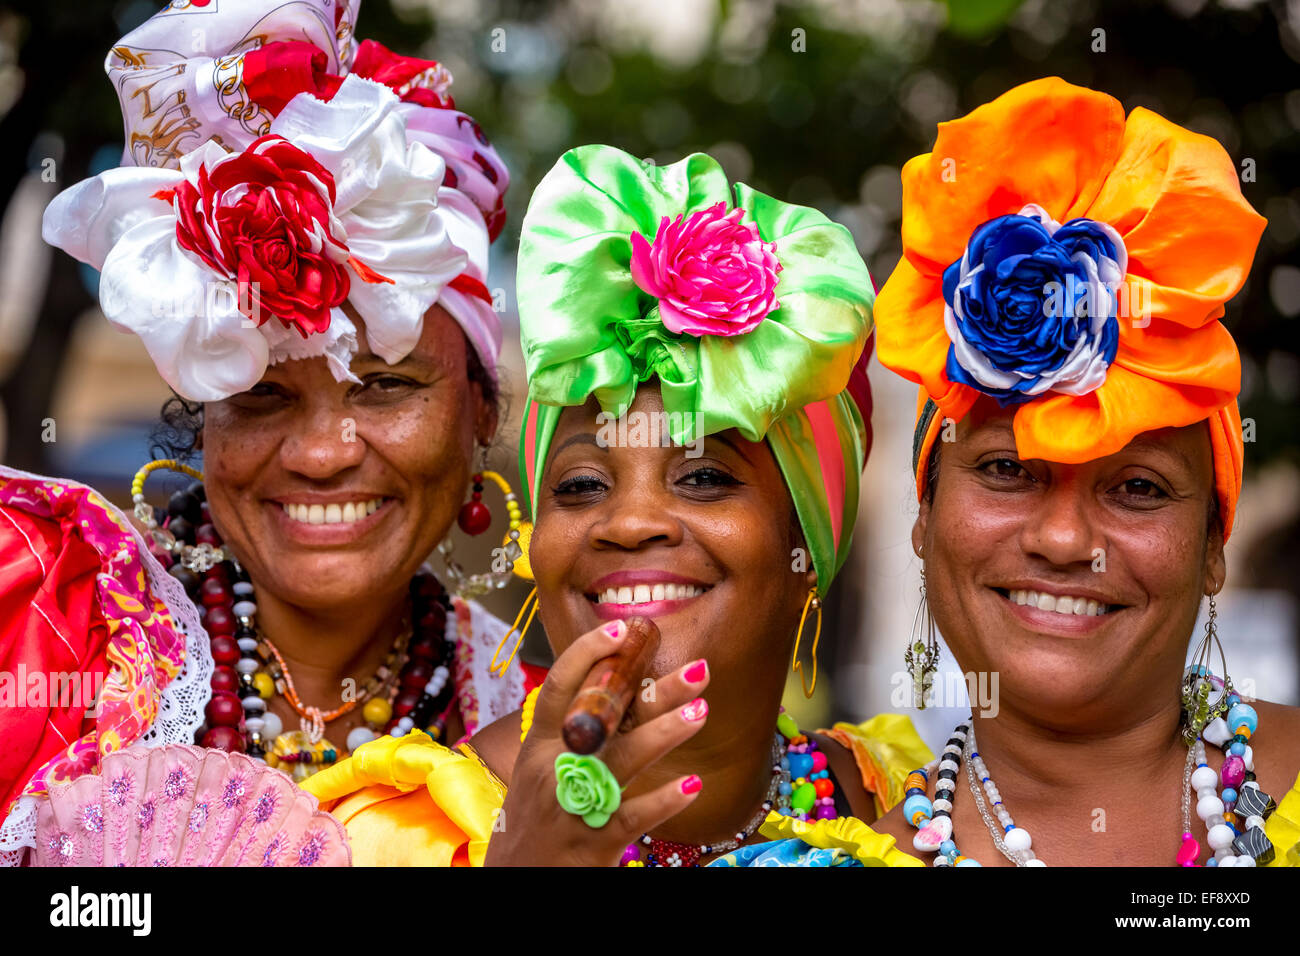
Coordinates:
[264,219]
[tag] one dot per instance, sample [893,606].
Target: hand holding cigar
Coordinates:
[599,705]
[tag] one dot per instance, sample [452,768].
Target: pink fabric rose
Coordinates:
[712,274]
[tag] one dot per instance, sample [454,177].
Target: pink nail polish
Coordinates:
[696,671]
[697,709]
[615,629]
[692,784]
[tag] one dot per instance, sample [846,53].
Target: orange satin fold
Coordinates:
[1175,199]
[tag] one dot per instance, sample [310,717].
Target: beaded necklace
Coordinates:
[412,688]
[801,787]
[1234,820]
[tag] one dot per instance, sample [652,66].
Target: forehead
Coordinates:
[441,339]
[1189,445]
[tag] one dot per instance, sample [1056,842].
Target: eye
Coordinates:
[387,383]
[708,478]
[579,485]
[261,394]
[1005,469]
[1142,488]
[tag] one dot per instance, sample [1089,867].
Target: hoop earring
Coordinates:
[193,557]
[815,603]
[1199,680]
[530,606]
[509,559]
[922,657]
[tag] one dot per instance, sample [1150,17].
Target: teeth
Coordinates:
[332,513]
[646,593]
[1061,604]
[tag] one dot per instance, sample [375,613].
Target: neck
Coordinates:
[324,647]
[1032,763]
[735,766]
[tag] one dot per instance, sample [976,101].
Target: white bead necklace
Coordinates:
[1012,841]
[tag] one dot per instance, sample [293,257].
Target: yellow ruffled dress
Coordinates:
[408,801]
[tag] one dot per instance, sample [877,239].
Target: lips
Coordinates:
[1064,603]
[649,593]
[347,512]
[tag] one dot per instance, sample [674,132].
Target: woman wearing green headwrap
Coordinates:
[691,450]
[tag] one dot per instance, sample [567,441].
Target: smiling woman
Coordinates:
[670,561]
[1078,466]
[306,267]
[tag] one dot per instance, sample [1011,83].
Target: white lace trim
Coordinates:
[497,696]
[181,702]
[18,832]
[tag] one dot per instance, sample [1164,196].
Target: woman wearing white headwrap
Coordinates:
[299,235]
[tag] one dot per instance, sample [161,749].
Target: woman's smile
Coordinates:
[647,593]
[334,520]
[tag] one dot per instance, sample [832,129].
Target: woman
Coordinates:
[692,449]
[1074,514]
[299,237]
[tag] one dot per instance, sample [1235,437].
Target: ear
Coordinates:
[1216,568]
[486,418]
[919,526]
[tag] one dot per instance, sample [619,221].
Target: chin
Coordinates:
[326,580]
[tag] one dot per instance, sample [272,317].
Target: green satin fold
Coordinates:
[587,329]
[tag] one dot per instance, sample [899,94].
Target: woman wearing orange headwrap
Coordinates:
[1078,457]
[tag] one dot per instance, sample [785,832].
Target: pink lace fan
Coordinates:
[185,806]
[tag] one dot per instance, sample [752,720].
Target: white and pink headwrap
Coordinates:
[273,170]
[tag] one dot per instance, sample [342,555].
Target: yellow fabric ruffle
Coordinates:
[844,833]
[887,748]
[1283,828]
[408,801]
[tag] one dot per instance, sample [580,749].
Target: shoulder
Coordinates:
[1275,747]
[497,745]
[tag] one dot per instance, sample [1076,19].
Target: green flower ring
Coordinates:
[587,788]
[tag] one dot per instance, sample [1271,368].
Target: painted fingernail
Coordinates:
[692,784]
[696,671]
[697,709]
[615,629]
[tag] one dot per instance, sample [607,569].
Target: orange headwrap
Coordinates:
[1173,198]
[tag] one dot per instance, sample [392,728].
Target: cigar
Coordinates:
[598,708]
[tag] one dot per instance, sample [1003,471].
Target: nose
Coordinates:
[632,519]
[322,442]
[1061,528]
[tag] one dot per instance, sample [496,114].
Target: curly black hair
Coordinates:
[180,421]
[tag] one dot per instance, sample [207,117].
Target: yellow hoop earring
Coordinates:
[530,608]
[197,558]
[814,602]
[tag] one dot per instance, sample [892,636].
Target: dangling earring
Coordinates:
[922,657]
[530,606]
[815,603]
[193,557]
[1199,680]
[509,559]
[474,517]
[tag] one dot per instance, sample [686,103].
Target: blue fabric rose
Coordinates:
[1031,306]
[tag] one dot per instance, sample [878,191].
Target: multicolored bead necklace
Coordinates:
[413,688]
[1234,820]
[801,787]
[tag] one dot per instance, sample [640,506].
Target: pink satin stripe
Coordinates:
[530,448]
[831,457]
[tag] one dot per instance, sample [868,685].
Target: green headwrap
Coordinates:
[588,328]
